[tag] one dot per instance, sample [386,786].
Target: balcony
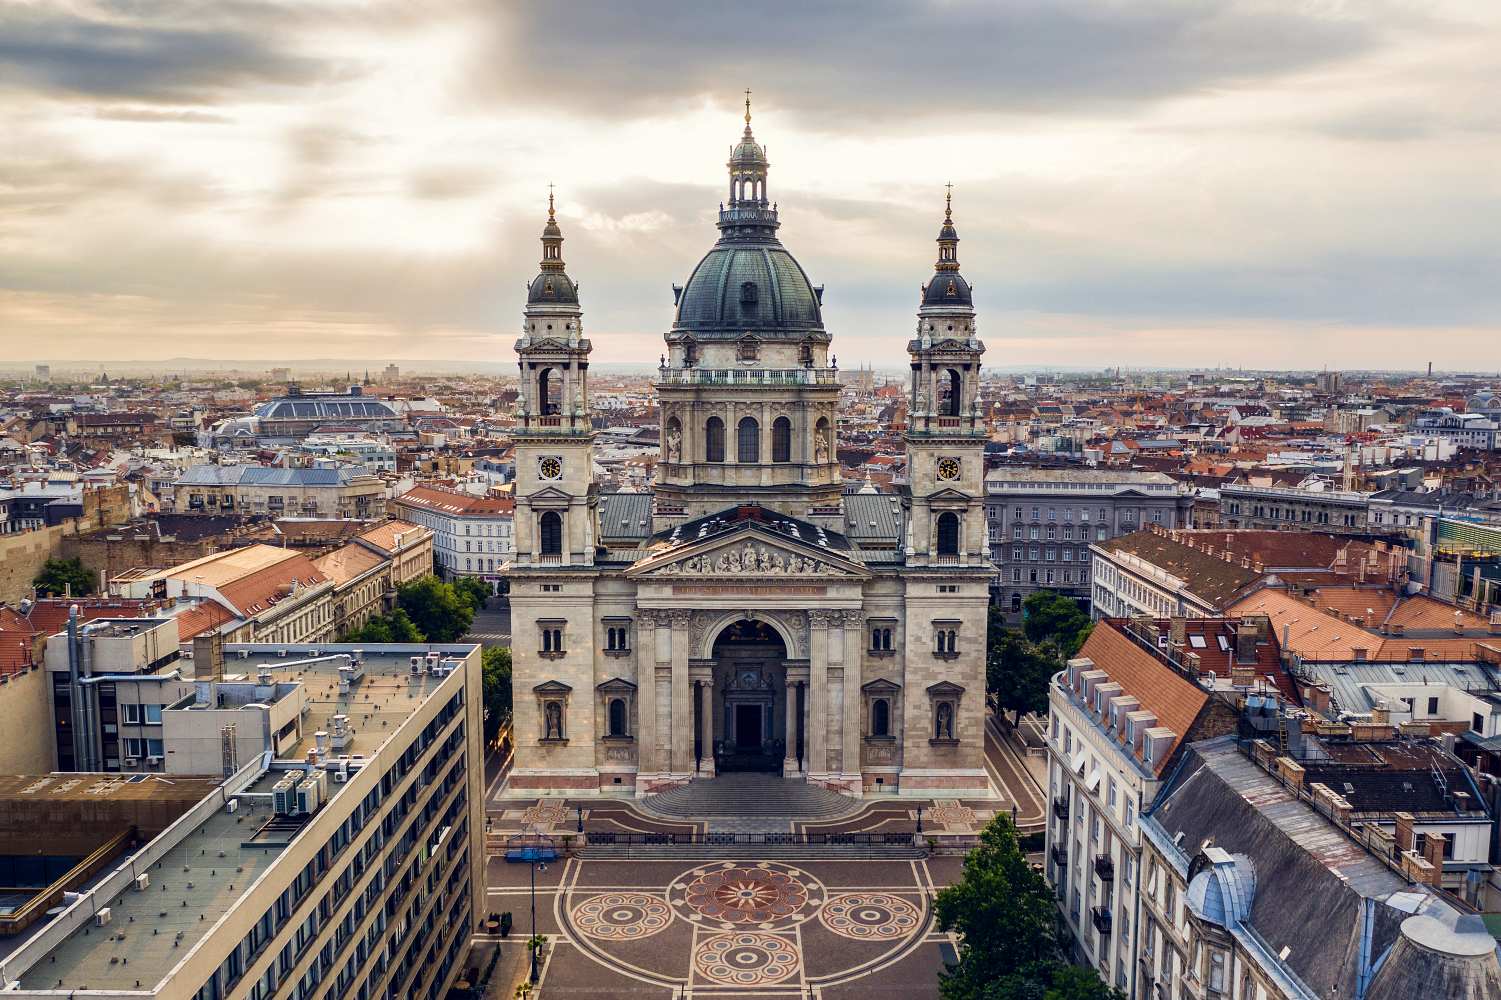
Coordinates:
[1100,917]
[1059,856]
[770,377]
[1060,806]
[1104,868]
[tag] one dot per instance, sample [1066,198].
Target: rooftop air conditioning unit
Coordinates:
[103,917]
[282,653]
[232,806]
[243,654]
[284,795]
[130,763]
[153,761]
[143,882]
[309,796]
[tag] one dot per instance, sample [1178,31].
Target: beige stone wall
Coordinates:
[22,556]
[27,724]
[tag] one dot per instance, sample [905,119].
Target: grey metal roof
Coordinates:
[1317,894]
[624,516]
[258,475]
[1349,682]
[756,287]
[872,517]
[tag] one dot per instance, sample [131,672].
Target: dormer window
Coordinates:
[748,293]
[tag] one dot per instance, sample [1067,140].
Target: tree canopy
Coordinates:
[1007,920]
[471,591]
[394,627]
[436,608]
[497,673]
[1017,672]
[63,576]
[1048,615]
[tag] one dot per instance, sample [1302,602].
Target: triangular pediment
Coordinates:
[948,493]
[550,493]
[752,552]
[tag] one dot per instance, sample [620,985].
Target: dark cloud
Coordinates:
[148,53]
[899,63]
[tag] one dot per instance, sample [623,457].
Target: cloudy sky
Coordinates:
[1274,183]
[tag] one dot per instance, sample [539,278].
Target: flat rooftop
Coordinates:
[210,866]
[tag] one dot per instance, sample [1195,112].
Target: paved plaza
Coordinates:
[765,922]
[734,928]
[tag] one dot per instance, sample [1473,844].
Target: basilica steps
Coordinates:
[749,794]
[760,852]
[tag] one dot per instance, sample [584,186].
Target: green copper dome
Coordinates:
[757,287]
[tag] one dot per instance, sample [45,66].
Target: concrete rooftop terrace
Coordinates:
[201,865]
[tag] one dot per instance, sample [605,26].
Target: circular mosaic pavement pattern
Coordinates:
[745,958]
[621,916]
[869,916]
[729,896]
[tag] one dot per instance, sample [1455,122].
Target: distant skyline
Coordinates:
[1240,183]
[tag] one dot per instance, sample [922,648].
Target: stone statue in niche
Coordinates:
[821,446]
[553,716]
[674,443]
[943,725]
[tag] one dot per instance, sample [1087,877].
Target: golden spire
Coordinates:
[551,216]
[747,109]
[948,204]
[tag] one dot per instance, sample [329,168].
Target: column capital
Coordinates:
[854,617]
[647,616]
[821,618]
[680,617]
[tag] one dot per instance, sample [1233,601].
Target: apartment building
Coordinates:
[253,489]
[1257,886]
[1120,714]
[1315,507]
[369,569]
[256,593]
[1467,430]
[1040,523]
[472,535]
[344,863]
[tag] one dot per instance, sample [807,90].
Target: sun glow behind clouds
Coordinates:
[1278,186]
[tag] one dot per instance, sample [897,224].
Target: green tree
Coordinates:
[1018,672]
[471,591]
[1047,614]
[435,608]
[1074,982]
[1007,921]
[60,576]
[497,674]
[395,627]
[1004,913]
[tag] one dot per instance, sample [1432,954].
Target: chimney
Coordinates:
[1242,677]
[1417,868]
[1291,772]
[1245,642]
[208,656]
[1404,836]
[1433,851]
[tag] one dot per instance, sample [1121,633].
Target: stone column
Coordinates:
[682,692]
[646,693]
[818,691]
[789,756]
[706,728]
[853,629]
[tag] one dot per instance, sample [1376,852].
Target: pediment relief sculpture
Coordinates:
[749,559]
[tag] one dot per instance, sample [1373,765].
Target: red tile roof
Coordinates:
[454,502]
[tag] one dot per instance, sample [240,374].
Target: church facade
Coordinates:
[748,612]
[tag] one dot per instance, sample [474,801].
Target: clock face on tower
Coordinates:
[949,468]
[550,467]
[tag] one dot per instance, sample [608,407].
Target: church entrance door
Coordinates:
[748,728]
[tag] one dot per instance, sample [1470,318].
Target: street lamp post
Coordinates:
[532,943]
[919,817]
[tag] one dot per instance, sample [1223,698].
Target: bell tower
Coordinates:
[555,496]
[946,430]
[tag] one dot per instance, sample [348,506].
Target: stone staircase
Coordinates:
[750,794]
[759,852]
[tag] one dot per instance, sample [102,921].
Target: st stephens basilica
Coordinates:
[748,612]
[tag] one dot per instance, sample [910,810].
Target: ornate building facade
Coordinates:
[747,613]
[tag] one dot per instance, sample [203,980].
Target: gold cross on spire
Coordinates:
[948,202]
[747,107]
[550,216]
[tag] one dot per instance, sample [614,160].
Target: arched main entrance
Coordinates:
[750,704]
